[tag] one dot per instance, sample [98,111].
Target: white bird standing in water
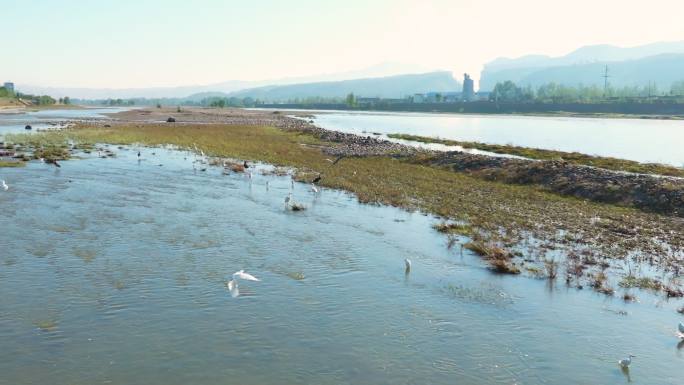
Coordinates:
[407,262]
[626,362]
[314,189]
[6,187]
[233,283]
[288,198]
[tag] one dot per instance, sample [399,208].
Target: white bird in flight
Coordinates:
[4,185]
[245,276]
[626,362]
[233,283]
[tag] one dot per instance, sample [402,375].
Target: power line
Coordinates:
[605,80]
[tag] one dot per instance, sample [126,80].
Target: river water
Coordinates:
[43,119]
[642,140]
[114,271]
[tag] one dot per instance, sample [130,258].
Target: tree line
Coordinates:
[509,92]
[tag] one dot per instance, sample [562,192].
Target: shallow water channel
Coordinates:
[114,271]
[642,140]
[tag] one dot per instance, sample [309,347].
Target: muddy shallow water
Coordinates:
[114,271]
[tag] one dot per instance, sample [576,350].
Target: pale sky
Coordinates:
[127,43]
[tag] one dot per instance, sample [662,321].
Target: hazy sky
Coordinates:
[126,43]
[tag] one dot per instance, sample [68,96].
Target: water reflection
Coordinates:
[625,372]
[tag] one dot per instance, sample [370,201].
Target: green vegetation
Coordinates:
[509,92]
[351,100]
[631,281]
[4,163]
[5,93]
[571,157]
[454,228]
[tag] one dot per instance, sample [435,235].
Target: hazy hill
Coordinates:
[386,87]
[382,69]
[659,62]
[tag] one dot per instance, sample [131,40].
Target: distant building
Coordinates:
[9,86]
[468,88]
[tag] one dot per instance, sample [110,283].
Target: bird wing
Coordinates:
[247,276]
[231,284]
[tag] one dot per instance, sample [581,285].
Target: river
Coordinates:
[642,140]
[114,270]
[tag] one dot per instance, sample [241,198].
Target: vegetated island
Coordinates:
[547,218]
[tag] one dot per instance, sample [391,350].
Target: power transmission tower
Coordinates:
[605,80]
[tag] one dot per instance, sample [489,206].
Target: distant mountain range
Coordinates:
[380,70]
[662,63]
[385,87]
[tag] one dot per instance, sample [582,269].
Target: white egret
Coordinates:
[314,189]
[6,187]
[407,262]
[245,276]
[233,283]
[626,362]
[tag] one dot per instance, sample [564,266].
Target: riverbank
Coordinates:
[577,158]
[517,228]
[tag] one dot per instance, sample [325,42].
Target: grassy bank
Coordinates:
[512,217]
[572,157]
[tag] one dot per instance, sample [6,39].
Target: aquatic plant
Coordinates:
[631,281]
[453,228]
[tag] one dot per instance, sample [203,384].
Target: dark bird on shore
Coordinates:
[245,165]
[138,154]
[53,161]
[28,127]
[316,179]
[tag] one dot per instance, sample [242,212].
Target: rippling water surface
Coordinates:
[643,140]
[16,122]
[114,271]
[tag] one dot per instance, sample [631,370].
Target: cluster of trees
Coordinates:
[229,102]
[41,100]
[558,93]
[5,93]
